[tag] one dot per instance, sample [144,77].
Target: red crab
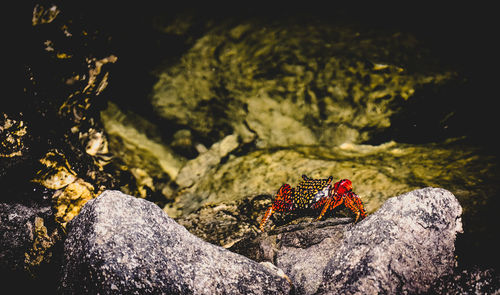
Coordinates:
[315,194]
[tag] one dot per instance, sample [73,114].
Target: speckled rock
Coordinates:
[24,234]
[468,281]
[121,244]
[29,243]
[402,248]
[405,246]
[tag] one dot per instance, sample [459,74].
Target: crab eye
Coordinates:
[347,184]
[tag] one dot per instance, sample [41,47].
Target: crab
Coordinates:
[315,194]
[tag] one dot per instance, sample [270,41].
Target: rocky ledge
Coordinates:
[404,247]
[125,245]
[121,244]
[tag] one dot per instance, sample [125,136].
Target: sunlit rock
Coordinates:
[123,244]
[56,172]
[69,201]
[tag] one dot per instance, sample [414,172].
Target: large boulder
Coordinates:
[121,244]
[404,247]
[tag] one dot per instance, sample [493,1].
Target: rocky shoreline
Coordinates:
[121,244]
[205,115]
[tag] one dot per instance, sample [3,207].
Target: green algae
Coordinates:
[377,172]
[292,84]
[138,148]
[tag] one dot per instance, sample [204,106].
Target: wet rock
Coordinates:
[264,81]
[68,202]
[228,223]
[56,172]
[195,169]
[402,248]
[377,172]
[119,243]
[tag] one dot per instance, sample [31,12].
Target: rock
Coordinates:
[468,281]
[122,244]
[263,79]
[29,243]
[128,133]
[68,202]
[226,224]
[404,247]
[377,173]
[195,169]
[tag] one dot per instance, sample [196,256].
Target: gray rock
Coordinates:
[402,248]
[27,233]
[305,254]
[121,244]
[29,248]
[474,280]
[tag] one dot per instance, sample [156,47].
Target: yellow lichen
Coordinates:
[62,55]
[69,202]
[42,243]
[79,101]
[12,133]
[56,173]
[42,15]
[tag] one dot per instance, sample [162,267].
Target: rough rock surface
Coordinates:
[28,241]
[468,281]
[121,244]
[377,173]
[402,248]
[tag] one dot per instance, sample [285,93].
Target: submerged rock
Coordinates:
[122,244]
[289,84]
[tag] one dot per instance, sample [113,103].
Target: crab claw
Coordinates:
[268,214]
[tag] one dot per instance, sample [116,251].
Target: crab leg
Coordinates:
[353,202]
[327,205]
[268,214]
[349,203]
